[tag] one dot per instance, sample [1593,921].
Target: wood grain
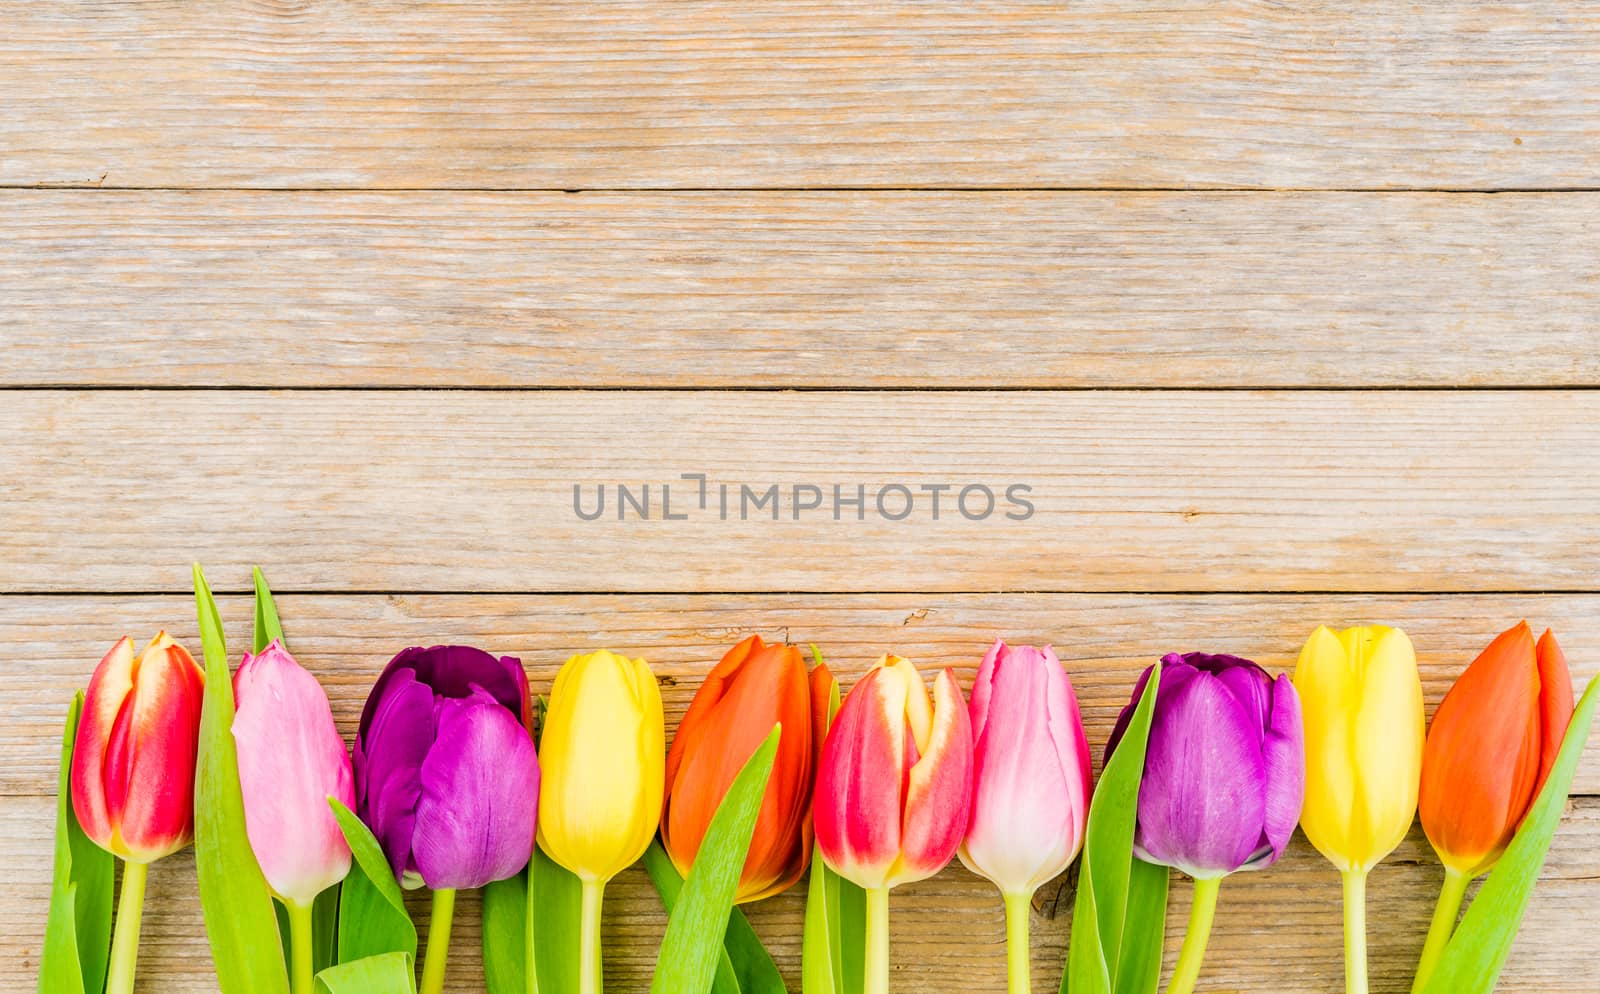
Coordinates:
[1197,93]
[451,491]
[949,930]
[780,289]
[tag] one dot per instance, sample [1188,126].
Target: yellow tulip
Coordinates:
[1361,702]
[602,759]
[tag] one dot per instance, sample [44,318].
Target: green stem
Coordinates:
[1444,922]
[125,946]
[1355,931]
[300,947]
[530,963]
[1202,911]
[1018,907]
[439,921]
[876,974]
[591,973]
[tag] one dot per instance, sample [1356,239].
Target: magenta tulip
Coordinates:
[291,760]
[1030,797]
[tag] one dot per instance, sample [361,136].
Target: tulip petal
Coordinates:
[109,687]
[859,787]
[477,808]
[1283,749]
[1555,702]
[1329,695]
[1481,760]
[388,762]
[150,765]
[1387,740]
[1202,800]
[291,760]
[938,798]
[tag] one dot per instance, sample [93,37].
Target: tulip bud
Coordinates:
[1491,745]
[1224,767]
[1361,701]
[133,759]
[754,687]
[604,743]
[894,783]
[1030,795]
[445,770]
[291,760]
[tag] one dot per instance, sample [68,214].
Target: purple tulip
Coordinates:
[1224,771]
[446,775]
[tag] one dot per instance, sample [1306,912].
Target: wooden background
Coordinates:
[1287,312]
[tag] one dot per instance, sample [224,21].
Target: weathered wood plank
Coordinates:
[774,289]
[474,491]
[1332,93]
[53,642]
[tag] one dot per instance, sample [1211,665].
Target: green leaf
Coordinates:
[1477,951]
[752,964]
[833,954]
[245,948]
[1113,930]
[669,885]
[1144,929]
[556,896]
[505,949]
[77,935]
[687,962]
[372,910]
[387,973]
[268,628]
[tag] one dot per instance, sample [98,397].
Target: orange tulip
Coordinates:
[755,686]
[1491,745]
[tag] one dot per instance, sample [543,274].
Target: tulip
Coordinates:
[754,687]
[1224,778]
[1361,701]
[447,778]
[132,774]
[894,790]
[291,760]
[1489,750]
[1030,790]
[604,742]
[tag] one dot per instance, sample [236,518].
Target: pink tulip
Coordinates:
[1030,795]
[895,778]
[291,760]
[133,758]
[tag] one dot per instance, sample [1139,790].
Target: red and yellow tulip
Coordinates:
[133,762]
[894,790]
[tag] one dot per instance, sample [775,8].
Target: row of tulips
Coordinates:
[1223,761]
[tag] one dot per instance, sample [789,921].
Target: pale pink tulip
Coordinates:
[1030,794]
[291,760]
